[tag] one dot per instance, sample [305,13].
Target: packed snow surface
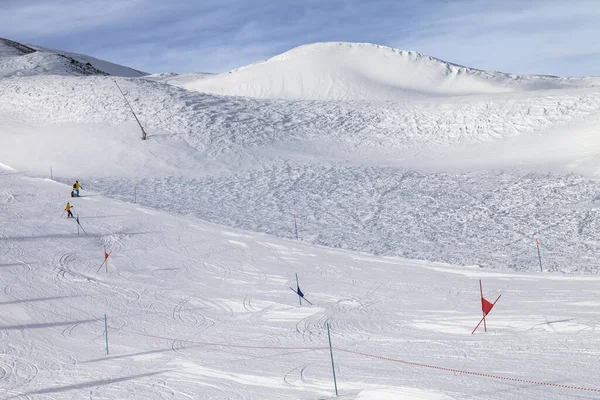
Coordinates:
[401,206]
[196,310]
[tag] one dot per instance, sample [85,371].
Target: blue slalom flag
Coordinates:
[300,292]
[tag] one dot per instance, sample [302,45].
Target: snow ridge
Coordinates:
[17,59]
[363,71]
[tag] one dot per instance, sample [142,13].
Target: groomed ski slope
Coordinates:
[200,311]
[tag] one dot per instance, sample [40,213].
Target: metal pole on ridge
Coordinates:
[131,108]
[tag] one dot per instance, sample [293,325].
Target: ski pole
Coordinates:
[63,213]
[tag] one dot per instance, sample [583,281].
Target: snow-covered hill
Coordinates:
[17,59]
[361,71]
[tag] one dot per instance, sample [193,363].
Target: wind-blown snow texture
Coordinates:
[368,177]
[468,172]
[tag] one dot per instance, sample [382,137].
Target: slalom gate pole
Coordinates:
[332,365]
[297,286]
[135,194]
[51,172]
[101,265]
[537,243]
[481,292]
[131,108]
[305,299]
[106,332]
[296,227]
[482,319]
[105,262]
[79,226]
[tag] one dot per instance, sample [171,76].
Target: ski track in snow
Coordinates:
[175,284]
[488,218]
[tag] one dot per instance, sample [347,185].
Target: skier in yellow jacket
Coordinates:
[68,210]
[76,187]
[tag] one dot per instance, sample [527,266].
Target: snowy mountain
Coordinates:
[361,71]
[17,59]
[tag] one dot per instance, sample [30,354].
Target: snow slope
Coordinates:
[17,59]
[199,311]
[416,179]
[362,71]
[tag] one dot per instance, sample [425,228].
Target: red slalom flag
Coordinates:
[105,261]
[486,308]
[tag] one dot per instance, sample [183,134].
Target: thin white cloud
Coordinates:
[521,37]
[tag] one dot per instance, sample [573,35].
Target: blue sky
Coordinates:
[556,37]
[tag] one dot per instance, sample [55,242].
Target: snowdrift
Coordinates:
[361,71]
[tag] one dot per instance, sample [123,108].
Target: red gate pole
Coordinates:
[481,292]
